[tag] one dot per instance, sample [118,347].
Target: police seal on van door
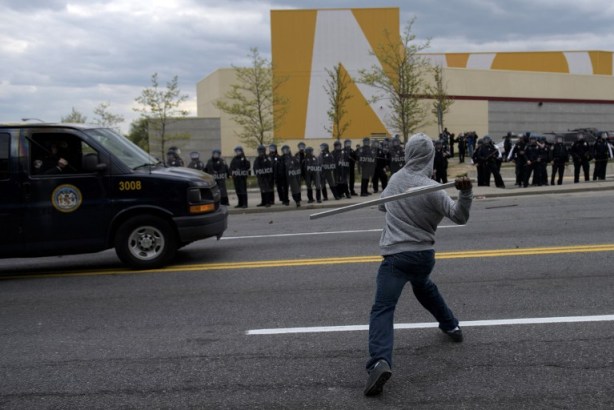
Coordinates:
[66,198]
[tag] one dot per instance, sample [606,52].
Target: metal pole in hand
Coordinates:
[409,193]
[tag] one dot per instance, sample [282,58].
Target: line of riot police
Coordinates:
[532,154]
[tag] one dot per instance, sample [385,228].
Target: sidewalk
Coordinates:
[507,172]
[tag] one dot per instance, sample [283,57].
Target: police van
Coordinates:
[71,189]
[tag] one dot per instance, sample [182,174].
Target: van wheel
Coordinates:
[145,242]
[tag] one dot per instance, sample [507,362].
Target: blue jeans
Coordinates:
[394,272]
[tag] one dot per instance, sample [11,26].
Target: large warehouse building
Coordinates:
[493,92]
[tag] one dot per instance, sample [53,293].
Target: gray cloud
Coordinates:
[57,54]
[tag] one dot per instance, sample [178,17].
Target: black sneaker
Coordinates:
[378,376]
[455,334]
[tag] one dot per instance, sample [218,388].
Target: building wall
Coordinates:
[493,92]
[504,116]
[203,135]
[210,89]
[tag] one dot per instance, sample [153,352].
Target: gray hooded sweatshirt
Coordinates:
[411,222]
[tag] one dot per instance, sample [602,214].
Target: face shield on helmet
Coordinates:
[309,151]
[238,150]
[324,147]
[194,155]
[272,148]
[261,150]
[285,150]
[301,146]
[366,142]
[347,144]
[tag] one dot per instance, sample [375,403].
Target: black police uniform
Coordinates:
[263,170]
[240,170]
[218,168]
[292,165]
[601,153]
[342,172]
[382,160]
[366,161]
[581,155]
[560,158]
[281,182]
[313,170]
[328,174]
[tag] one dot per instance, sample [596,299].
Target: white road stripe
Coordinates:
[284,235]
[469,323]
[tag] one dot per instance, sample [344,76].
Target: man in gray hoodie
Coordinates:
[407,247]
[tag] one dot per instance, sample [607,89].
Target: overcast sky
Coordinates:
[58,54]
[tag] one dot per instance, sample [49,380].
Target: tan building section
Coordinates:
[494,92]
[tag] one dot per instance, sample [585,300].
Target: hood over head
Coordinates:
[419,154]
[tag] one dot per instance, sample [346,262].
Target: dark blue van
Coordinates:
[69,189]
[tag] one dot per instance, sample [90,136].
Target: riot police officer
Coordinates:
[382,161]
[518,155]
[440,163]
[300,155]
[195,162]
[366,160]
[533,153]
[279,172]
[217,167]
[263,170]
[353,157]
[173,157]
[313,170]
[328,172]
[292,165]
[560,158]
[240,170]
[581,156]
[342,172]
[397,155]
[601,152]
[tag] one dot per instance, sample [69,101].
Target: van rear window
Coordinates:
[4,155]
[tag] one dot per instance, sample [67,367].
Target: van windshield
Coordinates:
[122,148]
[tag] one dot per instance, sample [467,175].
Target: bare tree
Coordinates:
[254,103]
[74,117]
[105,118]
[400,79]
[161,107]
[337,88]
[441,100]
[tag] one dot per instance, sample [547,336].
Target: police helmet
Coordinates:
[194,155]
[301,145]
[337,144]
[309,150]
[238,149]
[347,143]
[272,148]
[172,150]
[323,146]
[261,149]
[487,139]
[285,149]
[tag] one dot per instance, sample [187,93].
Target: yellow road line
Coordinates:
[494,253]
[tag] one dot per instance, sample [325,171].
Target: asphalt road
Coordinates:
[82,332]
